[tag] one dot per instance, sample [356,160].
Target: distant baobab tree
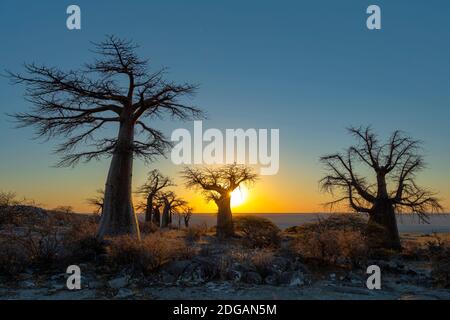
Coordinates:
[217,184]
[186,213]
[117,90]
[156,182]
[97,201]
[171,203]
[392,188]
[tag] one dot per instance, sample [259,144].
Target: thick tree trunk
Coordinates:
[165,217]
[118,216]
[384,215]
[225,227]
[156,217]
[149,209]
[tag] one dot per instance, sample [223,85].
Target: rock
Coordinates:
[176,268]
[167,278]
[293,278]
[252,278]
[25,276]
[27,284]
[201,269]
[233,275]
[297,280]
[280,264]
[271,279]
[124,293]
[118,283]
[95,284]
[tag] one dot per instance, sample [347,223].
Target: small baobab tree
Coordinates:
[186,213]
[97,201]
[116,90]
[171,204]
[391,189]
[217,184]
[156,182]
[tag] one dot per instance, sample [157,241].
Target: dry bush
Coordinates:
[146,255]
[262,260]
[41,243]
[338,240]
[80,240]
[439,251]
[196,232]
[13,259]
[258,232]
[21,215]
[147,227]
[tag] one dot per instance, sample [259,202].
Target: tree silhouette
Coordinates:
[171,203]
[186,213]
[97,201]
[217,184]
[156,182]
[118,90]
[392,188]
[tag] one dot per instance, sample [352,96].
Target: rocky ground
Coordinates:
[202,267]
[189,280]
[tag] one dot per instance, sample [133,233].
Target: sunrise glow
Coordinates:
[238,196]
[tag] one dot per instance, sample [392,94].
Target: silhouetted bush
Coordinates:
[338,240]
[195,232]
[80,240]
[13,259]
[439,251]
[258,232]
[147,227]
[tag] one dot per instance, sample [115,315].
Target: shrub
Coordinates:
[262,260]
[13,259]
[338,240]
[194,233]
[258,232]
[146,255]
[80,241]
[439,251]
[147,227]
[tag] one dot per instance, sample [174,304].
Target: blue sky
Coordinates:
[310,68]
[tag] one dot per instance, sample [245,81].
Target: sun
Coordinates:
[238,196]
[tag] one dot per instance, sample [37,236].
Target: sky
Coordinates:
[308,68]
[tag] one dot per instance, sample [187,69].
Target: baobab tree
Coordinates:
[116,90]
[171,203]
[392,187]
[217,184]
[186,213]
[156,182]
[97,201]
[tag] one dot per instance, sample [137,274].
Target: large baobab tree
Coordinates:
[117,90]
[217,184]
[392,187]
[156,182]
